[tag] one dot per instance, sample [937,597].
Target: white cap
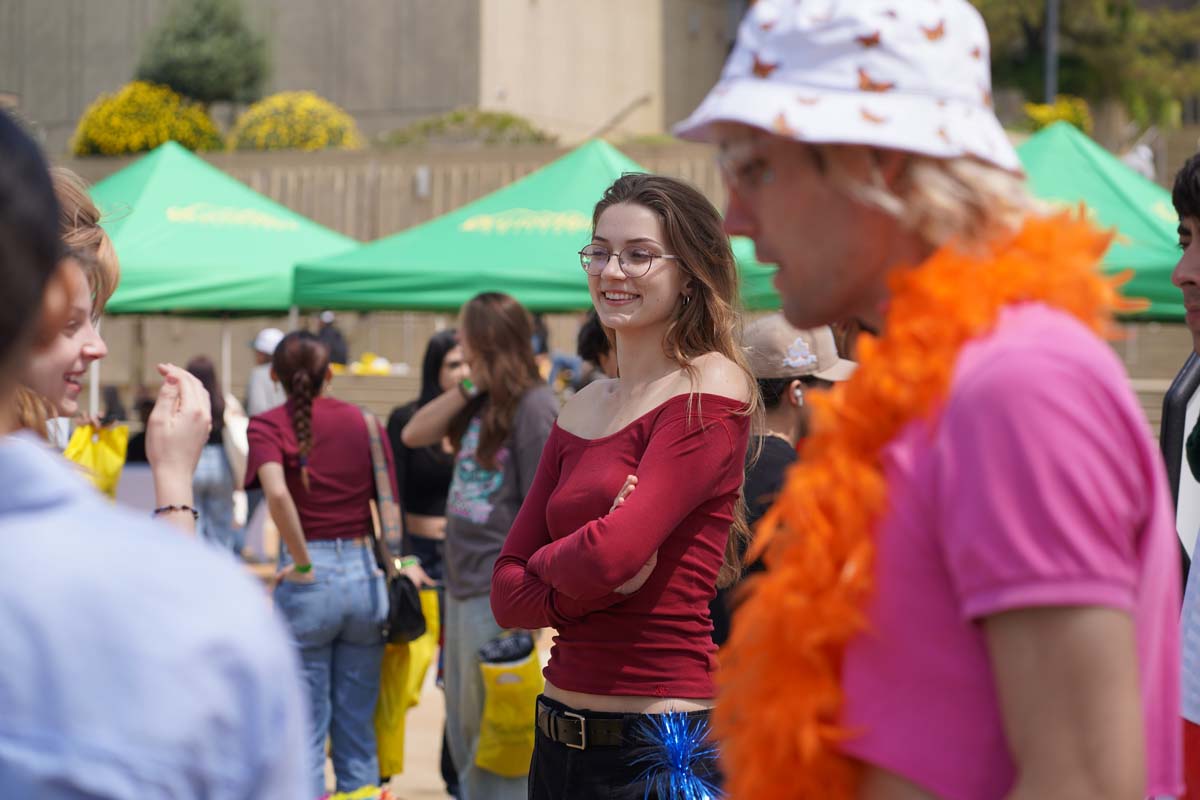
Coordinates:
[327,317]
[267,340]
[777,350]
[911,76]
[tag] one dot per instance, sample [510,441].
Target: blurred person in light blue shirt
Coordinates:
[134,662]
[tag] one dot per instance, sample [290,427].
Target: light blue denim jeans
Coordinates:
[336,622]
[212,485]
[469,626]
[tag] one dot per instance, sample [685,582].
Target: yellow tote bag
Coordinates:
[101,454]
[403,674]
[511,689]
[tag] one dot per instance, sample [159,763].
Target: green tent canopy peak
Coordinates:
[1066,168]
[521,239]
[193,240]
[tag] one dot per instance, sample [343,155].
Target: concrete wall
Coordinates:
[571,66]
[697,35]
[622,67]
[386,61]
[391,61]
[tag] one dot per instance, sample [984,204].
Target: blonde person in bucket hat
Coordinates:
[970,587]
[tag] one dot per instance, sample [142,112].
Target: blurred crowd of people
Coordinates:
[927,574]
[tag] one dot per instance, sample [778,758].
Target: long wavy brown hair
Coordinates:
[499,333]
[301,363]
[710,322]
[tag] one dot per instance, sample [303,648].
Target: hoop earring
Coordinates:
[687,298]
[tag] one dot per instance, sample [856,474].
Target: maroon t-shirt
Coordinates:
[341,477]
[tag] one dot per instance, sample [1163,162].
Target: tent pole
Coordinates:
[94,382]
[94,388]
[137,376]
[1051,89]
[293,318]
[226,355]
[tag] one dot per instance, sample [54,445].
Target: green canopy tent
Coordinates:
[194,240]
[520,239]
[1066,167]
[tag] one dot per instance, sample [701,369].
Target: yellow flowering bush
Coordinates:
[1065,108]
[295,121]
[139,117]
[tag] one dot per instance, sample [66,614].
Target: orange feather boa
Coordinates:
[778,711]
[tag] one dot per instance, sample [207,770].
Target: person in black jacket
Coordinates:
[332,338]
[1186,198]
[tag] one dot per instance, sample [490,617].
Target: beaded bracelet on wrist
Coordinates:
[169,509]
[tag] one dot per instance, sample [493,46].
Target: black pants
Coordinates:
[559,772]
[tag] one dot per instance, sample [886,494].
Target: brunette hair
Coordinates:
[439,345]
[1185,195]
[592,343]
[773,389]
[301,362]
[499,333]
[29,254]
[29,245]
[204,370]
[79,227]
[710,322]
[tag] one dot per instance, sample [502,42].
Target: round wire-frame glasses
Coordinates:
[634,261]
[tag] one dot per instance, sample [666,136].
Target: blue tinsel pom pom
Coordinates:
[676,744]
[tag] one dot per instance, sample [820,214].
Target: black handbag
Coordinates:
[405,619]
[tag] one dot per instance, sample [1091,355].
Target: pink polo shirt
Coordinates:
[1037,485]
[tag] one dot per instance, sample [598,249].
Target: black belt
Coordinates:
[579,732]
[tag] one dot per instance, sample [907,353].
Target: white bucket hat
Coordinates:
[908,75]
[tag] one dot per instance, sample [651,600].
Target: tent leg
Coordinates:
[94,389]
[293,318]
[137,376]
[226,356]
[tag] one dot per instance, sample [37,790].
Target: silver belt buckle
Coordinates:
[582,730]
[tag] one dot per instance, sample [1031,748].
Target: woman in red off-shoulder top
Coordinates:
[625,533]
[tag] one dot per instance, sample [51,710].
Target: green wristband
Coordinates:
[409,561]
[304,569]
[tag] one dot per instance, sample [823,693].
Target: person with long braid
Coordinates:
[312,459]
